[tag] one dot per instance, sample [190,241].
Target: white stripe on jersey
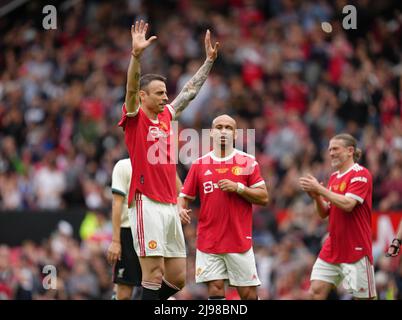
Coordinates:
[183,195]
[172,110]
[353,196]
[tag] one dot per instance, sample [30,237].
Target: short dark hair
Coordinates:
[146,79]
[349,141]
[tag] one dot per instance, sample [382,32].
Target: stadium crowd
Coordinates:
[277,72]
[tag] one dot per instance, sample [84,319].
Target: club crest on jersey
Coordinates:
[152,244]
[237,170]
[198,272]
[222,170]
[342,187]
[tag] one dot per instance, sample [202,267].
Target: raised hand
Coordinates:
[211,52]
[139,42]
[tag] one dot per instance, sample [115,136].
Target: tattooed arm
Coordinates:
[193,86]
[133,75]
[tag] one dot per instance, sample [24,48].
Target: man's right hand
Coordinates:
[139,42]
[114,252]
[185,215]
[394,248]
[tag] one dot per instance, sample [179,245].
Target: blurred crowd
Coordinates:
[277,72]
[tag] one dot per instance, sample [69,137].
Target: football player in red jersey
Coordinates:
[346,254]
[146,120]
[228,182]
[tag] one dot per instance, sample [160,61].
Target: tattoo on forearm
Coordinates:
[133,84]
[192,87]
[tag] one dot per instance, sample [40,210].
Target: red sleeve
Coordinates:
[129,125]
[124,118]
[359,185]
[190,186]
[255,179]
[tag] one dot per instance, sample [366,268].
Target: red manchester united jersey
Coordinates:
[350,232]
[225,219]
[149,146]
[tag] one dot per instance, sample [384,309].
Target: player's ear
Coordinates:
[235,134]
[142,94]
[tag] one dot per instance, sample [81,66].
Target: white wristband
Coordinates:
[240,188]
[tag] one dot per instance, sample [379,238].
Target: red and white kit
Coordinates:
[349,244]
[225,220]
[152,198]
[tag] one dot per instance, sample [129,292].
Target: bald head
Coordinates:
[224,119]
[223,133]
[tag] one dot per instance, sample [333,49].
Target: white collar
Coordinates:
[340,175]
[219,159]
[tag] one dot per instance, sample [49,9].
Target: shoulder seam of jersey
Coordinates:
[245,154]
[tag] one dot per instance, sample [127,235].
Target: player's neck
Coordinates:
[150,114]
[223,153]
[346,166]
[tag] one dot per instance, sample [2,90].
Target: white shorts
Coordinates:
[156,228]
[239,268]
[358,277]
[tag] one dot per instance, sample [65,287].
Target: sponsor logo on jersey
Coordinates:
[361,179]
[156,133]
[120,273]
[209,186]
[236,170]
[342,187]
[152,244]
[222,170]
[207,173]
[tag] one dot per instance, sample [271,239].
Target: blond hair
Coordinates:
[350,141]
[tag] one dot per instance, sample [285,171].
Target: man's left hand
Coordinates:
[310,184]
[211,52]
